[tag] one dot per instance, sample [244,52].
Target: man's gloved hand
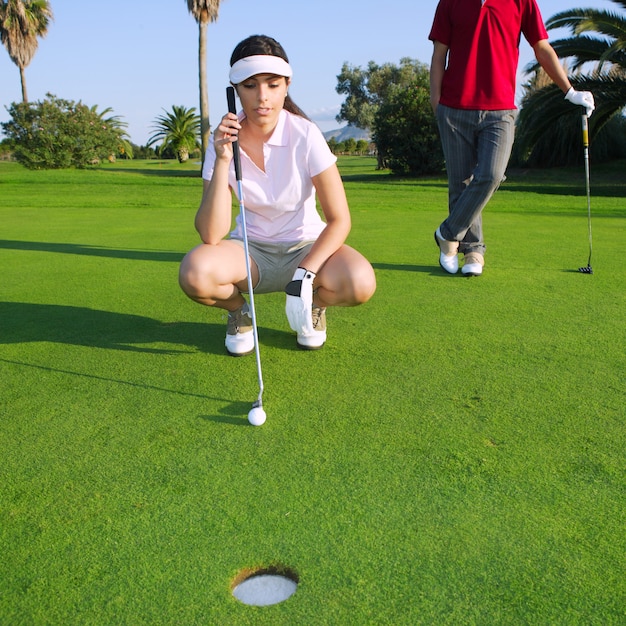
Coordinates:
[581,98]
[299,301]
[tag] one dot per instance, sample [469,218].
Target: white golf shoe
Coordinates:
[448,258]
[473,265]
[239,335]
[317,339]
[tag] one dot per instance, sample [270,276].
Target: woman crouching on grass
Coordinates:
[285,162]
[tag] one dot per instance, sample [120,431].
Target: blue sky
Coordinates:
[140,56]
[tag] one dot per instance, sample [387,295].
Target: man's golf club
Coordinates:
[588,269]
[257,415]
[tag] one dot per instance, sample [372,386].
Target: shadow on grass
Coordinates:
[164,169]
[119,381]
[234,414]
[24,322]
[404,267]
[385,178]
[608,190]
[98,251]
[606,181]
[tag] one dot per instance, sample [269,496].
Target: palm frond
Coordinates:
[548,126]
[204,11]
[579,21]
[21,23]
[585,49]
[596,59]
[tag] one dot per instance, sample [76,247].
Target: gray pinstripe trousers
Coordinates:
[477,146]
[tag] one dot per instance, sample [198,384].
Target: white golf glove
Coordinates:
[581,98]
[299,301]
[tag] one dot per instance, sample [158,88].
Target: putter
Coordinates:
[588,269]
[232,108]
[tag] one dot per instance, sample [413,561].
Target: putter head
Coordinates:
[586,270]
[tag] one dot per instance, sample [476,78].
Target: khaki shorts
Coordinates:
[277,262]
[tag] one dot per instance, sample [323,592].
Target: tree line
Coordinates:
[391,101]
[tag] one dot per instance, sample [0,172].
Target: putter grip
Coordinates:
[232,108]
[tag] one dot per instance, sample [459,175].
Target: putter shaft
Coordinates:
[585,125]
[230,97]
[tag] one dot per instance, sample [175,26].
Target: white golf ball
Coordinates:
[257,416]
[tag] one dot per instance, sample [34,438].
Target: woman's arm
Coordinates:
[332,198]
[214,217]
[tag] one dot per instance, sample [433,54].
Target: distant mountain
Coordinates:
[347,132]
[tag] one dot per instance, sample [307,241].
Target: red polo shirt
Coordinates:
[483,42]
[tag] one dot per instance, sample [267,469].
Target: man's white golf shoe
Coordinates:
[448,258]
[473,265]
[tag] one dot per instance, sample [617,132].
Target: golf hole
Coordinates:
[264,586]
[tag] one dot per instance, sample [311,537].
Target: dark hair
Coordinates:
[262,44]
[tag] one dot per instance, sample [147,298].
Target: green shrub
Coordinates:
[56,133]
[405,132]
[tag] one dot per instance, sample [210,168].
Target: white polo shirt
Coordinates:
[280,202]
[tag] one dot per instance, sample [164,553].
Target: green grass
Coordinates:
[454,454]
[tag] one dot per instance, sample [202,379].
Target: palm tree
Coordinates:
[178,131]
[21,22]
[115,124]
[203,11]
[546,120]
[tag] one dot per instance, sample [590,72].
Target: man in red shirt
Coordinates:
[472,92]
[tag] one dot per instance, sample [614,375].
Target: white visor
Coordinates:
[258,64]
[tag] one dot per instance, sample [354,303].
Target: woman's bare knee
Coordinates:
[364,285]
[210,274]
